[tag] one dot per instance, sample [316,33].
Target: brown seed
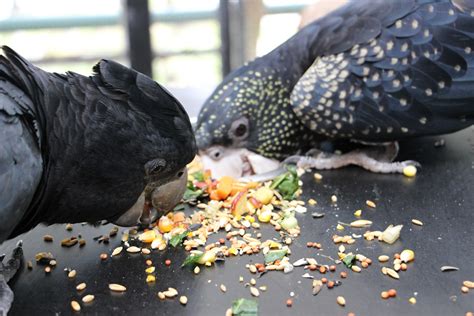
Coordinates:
[464,289]
[29,265]
[69,227]
[370,203]
[324,280]
[364,264]
[48,238]
[384,295]
[88,298]
[343,274]
[82,242]
[69,242]
[322,269]
[47,269]
[289,302]
[75,306]
[330,284]
[341,300]
[332,268]
[103,256]
[392,293]
[369,261]
[312,267]
[309,244]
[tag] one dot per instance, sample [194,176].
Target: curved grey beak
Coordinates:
[163,199]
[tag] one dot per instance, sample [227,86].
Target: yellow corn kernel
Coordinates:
[150,278]
[358,213]
[409,171]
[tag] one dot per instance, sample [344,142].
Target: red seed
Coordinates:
[396,256]
[403,267]
[332,268]
[309,244]
[222,241]
[330,284]
[322,269]
[289,302]
[168,262]
[392,293]
[343,274]
[312,267]
[324,280]
[261,269]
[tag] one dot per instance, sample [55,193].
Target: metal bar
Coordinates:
[225,36]
[138,33]
[169,16]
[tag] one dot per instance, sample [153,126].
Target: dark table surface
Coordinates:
[441,195]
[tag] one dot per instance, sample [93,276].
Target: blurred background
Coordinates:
[186,45]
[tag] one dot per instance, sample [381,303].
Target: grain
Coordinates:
[88,298]
[417,222]
[183,300]
[75,306]
[254,291]
[117,287]
[341,300]
[81,286]
[370,203]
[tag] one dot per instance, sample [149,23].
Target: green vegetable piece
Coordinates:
[245,307]
[287,183]
[178,239]
[199,176]
[190,195]
[348,260]
[192,259]
[274,255]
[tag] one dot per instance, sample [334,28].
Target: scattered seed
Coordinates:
[333,198]
[407,255]
[392,293]
[370,203]
[183,300]
[417,222]
[116,251]
[197,270]
[384,295]
[317,286]
[342,249]
[223,288]
[317,176]
[289,302]
[262,288]
[339,227]
[72,274]
[150,278]
[317,215]
[254,291]
[341,300]
[47,269]
[330,284]
[133,249]
[409,171]
[146,251]
[29,265]
[384,258]
[464,289]
[117,287]
[48,238]
[392,273]
[81,286]
[88,298]
[343,274]
[171,292]
[69,227]
[82,242]
[161,295]
[103,256]
[356,268]
[168,262]
[69,242]
[52,263]
[361,223]
[358,213]
[469,284]
[253,281]
[75,306]
[253,268]
[412,300]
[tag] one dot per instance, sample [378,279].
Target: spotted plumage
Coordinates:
[371,71]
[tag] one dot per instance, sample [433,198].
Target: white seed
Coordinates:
[468,284]
[254,291]
[333,198]
[172,292]
[116,251]
[197,270]
[384,258]
[146,251]
[52,263]
[81,286]
[223,288]
[253,268]
[88,298]
[417,222]
[133,249]
[253,281]
[183,300]
[263,288]
[342,248]
[392,273]
[370,203]
[117,287]
[75,306]
[72,274]
[356,268]
[161,295]
[361,223]
[341,300]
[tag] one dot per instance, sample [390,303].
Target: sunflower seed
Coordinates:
[133,249]
[116,251]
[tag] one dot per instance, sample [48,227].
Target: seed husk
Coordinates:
[69,242]
[133,249]
[317,286]
[417,222]
[223,288]
[341,300]
[469,284]
[254,291]
[69,227]
[71,274]
[75,306]
[44,257]
[88,298]
[384,258]
[360,223]
[52,263]
[183,300]
[392,273]
[117,287]
[82,242]
[81,286]
[116,251]
[449,268]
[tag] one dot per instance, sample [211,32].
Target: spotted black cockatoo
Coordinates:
[372,72]
[77,149]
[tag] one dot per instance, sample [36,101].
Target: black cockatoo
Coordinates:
[372,72]
[84,149]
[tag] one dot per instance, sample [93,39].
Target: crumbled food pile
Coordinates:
[239,209]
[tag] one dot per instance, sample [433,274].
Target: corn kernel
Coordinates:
[312,202]
[150,270]
[150,278]
[339,227]
[409,171]
[265,217]
[358,213]
[147,236]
